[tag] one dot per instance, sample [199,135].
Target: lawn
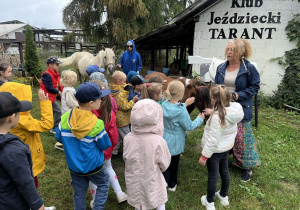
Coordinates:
[274,185]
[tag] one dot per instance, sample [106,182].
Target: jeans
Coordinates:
[80,186]
[171,173]
[56,113]
[217,163]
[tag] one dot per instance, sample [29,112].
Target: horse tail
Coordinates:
[69,61]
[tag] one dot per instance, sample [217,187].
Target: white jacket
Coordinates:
[68,100]
[216,139]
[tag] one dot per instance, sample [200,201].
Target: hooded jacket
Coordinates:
[124,106]
[112,131]
[247,84]
[84,140]
[217,139]
[28,128]
[131,61]
[176,122]
[146,156]
[17,188]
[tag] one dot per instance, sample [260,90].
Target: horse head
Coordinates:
[109,59]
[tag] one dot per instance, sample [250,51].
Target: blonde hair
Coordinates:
[118,75]
[221,97]
[67,77]
[175,89]
[149,89]
[241,48]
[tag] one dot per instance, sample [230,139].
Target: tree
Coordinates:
[32,62]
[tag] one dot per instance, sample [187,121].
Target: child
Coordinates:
[28,128]
[68,100]
[218,139]
[5,73]
[50,83]
[137,82]
[84,140]
[176,122]
[146,156]
[16,178]
[106,114]
[153,91]
[124,106]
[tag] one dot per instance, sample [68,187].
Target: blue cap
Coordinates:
[91,69]
[130,75]
[89,91]
[102,70]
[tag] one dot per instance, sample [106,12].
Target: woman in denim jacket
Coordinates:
[243,81]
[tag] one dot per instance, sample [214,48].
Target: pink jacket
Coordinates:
[146,156]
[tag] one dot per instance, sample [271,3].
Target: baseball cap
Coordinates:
[10,105]
[91,69]
[137,80]
[130,75]
[53,59]
[89,91]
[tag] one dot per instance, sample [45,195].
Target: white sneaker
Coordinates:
[92,204]
[115,152]
[173,189]
[59,146]
[122,197]
[209,206]
[50,208]
[224,200]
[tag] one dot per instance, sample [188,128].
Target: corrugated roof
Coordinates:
[7,28]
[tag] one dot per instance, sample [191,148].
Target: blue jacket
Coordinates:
[17,189]
[131,61]
[176,122]
[247,84]
[84,139]
[132,94]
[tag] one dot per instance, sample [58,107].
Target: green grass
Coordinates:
[274,185]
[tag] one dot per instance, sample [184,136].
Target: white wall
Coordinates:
[271,45]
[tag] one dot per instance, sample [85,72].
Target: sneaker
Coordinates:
[50,208]
[246,174]
[224,200]
[173,189]
[122,197]
[209,206]
[59,146]
[52,131]
[115,152]
[92,204]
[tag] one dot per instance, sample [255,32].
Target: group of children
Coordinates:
[91,125]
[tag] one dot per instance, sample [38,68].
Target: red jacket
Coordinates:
[55,83]
[112,131]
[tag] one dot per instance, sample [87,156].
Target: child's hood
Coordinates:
[81,122]
[172,110]
[21,91]
[119,88]
[147,117]
[234,113]
[4,139]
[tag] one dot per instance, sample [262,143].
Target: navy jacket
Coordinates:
[131,61]
[247,84]
[17,188]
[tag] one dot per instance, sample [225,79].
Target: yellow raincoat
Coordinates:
[29,129]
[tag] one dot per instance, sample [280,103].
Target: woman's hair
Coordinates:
[67,77]
[106,105]
[241,47]
[221,97]
[155,78]
[4,66]
[175,89]
[149,89]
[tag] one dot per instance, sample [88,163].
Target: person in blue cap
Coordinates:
[130,59]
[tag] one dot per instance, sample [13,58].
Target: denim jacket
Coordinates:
[247,84]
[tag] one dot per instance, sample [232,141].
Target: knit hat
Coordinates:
[129,43]
[130,75]
[98,76]
[10,105]
[88,91]
[137,80]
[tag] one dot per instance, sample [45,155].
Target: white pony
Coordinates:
[81,60]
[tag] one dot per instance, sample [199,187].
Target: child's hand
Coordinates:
[202,161]
[189,101]
[207,111]
[59,93]
[42,96]
[135,99]
[202,115]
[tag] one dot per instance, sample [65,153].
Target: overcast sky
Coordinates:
[38,13]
